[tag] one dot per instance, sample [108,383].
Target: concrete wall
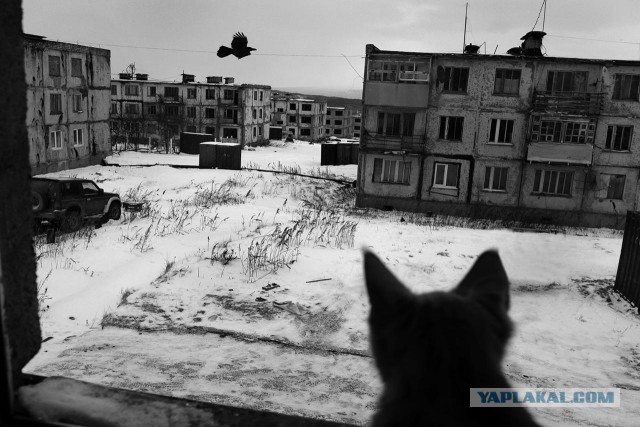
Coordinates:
[388,189]
[510,197]
[564,203]
[459,195]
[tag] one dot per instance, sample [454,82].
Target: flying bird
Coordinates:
[238,48]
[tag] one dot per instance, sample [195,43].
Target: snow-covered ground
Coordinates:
[246,288]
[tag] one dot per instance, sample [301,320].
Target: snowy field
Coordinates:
[246,288]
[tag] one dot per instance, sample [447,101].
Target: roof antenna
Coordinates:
[464,39]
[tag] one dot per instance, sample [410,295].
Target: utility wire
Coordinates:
[539,13]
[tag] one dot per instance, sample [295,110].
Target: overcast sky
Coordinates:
[301,43]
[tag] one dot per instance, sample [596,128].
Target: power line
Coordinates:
[208,51]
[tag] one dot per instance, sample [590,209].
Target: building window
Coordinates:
[55,103]
[114,90]
[292,119]
[451,128]
[261,98]
[292,106]
[77,103]
[210,130]
[255,129]
[228,113]
[171,110]
[131,108]
[55,139]
[495,178]
[394,124]
[280,110]
[228,94]
[151,128]
[209,113]
[260,128]
[618,138]
[152,109]
[279,122]
[76,67]
[305,119]
[114,108]
[151,91]
[191,112]
[77,137]
[501,131]
[611,187]
[327,131]
[292,131]
[455,79]
[446,175]
[563,132]
[575,133]
[191,93]
[337,122]
[328,122]
[260,111]
[339,113]
[191,128]
[566,81]
[171,92]
[337,131]
[305,107]
[626,87]
[391,171]
[328,112]
[209,93]
[131,90]
[507,82]
[54,66]
[555,183]
[254,113]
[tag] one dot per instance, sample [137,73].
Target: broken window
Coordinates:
[337,122]
[451,128]
[209,113]
[254,113]
[76,67]
[305,107]
[114,108]
[388,123]
[495,178]
[255,97]
[392,171]
[446,175]
[151,91]
[501,131]
[557,183]
[191,93]
[208,93]
[229,94]
[507,82]
[261,95]
[171,92]
[114,90]
[338,113]
[210,130]
[131,90]
[305,132]
[292,119]
[77,137]
[292,106]
[566,81]
[337,131]
[77,103]
[54,66]
[152,109]
[191,112]
[626,87]
[171,110]
[455,79]
[328,122]
[619,137]
[55,139]
[55,103]
[305,119]
[260,115]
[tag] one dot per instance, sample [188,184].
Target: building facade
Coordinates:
[154,112]
[298,117]
[523,136]
[67,104]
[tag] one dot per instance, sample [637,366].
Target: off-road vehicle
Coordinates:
[66,203]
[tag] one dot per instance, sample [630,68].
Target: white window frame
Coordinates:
[491,172]
[55,139]
[446,167]
[78,139]
[553,192]
[501,124]
[605,187]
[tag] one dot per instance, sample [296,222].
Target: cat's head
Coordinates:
[462,331]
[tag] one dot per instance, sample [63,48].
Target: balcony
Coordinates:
[170,99]
[550,152]
[413,144]
[580,103]
[396,94]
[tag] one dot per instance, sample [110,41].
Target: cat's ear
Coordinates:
[487,281]
[386,292]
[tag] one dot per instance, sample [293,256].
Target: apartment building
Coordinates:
[519,136]
[299,117]
[67,104]
[343,122]
[152,111]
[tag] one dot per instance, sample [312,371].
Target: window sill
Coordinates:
[449,140]
[487,190]
[607,150]
[565,196]
[454,92]
[507,95]
[442,187]
[501,144]
[392,183]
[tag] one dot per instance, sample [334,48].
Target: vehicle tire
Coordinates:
[71,222]
[114,211]
[37,201]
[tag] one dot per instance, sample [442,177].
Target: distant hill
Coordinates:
[332,101]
